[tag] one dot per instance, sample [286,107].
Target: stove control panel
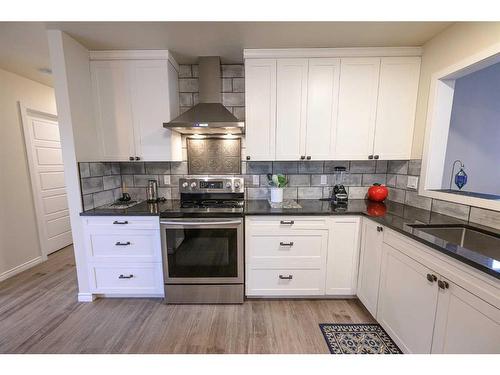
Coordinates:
[211,185]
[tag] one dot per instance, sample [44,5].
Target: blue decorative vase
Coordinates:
[461,178]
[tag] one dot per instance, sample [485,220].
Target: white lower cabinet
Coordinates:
[407,301]
[430,303]
[465,323]
[285,256]
[343,256]
[370,259]
[124,255]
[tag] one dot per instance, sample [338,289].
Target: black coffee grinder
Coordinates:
[339,192]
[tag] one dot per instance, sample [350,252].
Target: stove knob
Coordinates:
[193,185]
[228,185]
[184,185]
[236,184]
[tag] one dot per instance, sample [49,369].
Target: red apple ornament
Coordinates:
[377,193]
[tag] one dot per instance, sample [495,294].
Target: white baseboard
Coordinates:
[22,267]
[85,297]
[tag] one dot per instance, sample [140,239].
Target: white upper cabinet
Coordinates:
[291,108]
[397,98]
[357,110]
[322,104]
[260,116]
[156,100]
[132,100]
[113,109]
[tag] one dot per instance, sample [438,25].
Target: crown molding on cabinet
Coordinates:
[134,55]
[331,52]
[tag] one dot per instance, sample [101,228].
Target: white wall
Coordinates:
[18,230]
[71,70]
[474,135]
[455,43]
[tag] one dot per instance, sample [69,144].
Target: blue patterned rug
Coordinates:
[358,339]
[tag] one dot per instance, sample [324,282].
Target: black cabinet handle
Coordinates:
[308,158]
[443,284]
[375,157]
[125,277]
[431,278]
[289,277]
[302,157]
[131,158]
[286,222]
[137,158]
[248,157]
[120,222]
[370,157]
[122,243]
[286,243]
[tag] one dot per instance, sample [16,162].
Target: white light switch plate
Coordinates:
[255,179]
[323,179]
[412,182]
[166,180]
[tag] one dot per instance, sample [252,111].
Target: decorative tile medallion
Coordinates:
[214,156]
[358,339]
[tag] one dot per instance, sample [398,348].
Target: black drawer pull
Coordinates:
[120,222]
[125,277]
[286,243]
[289,277]
[286,222]
[122,243]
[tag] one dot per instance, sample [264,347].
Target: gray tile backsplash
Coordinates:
[100,183]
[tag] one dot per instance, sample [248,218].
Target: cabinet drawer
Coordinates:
[122,222]
[285,224]
[288,251]
[127,279]
[291,282]
[142,247]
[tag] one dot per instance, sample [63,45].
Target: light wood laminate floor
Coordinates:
[39,313]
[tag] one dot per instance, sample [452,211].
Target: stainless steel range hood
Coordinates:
[209,116]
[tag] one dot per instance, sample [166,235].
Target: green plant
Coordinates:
[277,180]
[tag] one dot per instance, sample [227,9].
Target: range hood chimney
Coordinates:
[209,116]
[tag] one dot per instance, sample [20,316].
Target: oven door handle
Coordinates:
[200,222]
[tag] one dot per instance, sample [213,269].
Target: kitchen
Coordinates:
[296,182]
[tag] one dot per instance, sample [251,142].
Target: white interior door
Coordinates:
[43,146]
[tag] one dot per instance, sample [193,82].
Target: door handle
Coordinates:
[431,278]
[286,244]
[289,277]
[120,222]
[221,222]
[286,222]
[443,284]
[380,229]
[308,158]
[122,243]
[125,277]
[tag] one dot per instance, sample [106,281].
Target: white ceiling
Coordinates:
[24,47]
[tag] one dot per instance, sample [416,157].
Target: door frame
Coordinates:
[25,111]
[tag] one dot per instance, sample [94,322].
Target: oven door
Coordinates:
[202,251]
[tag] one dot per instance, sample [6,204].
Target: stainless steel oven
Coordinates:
[203,259]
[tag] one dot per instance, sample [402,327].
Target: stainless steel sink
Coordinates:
[481,241]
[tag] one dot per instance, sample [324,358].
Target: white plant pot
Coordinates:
[276,195]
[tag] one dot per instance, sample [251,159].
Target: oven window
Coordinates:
[210,252]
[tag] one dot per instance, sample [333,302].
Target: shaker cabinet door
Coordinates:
[322,104]
[260,109]
[357,108]
[291,108]
[397,99]
[113,109]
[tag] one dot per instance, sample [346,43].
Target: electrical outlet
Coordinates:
[255,179]
[324,179]
[412,182]
[166,179]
